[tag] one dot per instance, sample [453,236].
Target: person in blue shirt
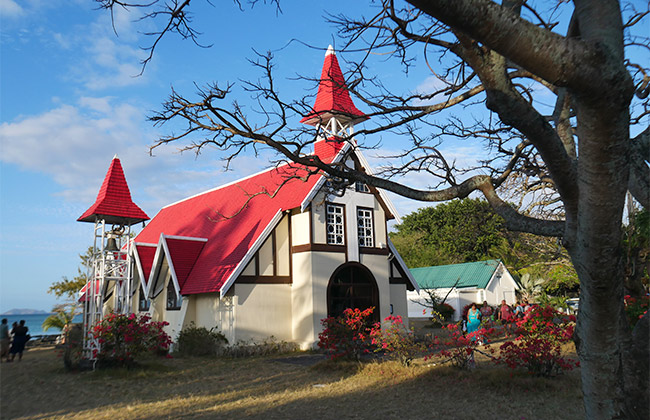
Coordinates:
[473,319]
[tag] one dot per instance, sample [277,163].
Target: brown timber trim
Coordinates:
[274,254]
[373,251]
[318,248]
[311,224]
[264,280]
[399,268]
[289,215]
[402,280]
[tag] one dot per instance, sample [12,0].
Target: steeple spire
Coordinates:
[113,202]
[333,108]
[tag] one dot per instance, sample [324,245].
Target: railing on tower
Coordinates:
[109,281]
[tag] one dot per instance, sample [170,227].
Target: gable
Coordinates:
[235,219]
[399,263]
[272,261]
[144,255]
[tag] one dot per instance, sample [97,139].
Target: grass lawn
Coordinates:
[273,388]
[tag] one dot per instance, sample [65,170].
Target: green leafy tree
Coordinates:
[454,232]
[562,281]
[64,313]
[636,245]
[68,288]
[62,316]
[531,287]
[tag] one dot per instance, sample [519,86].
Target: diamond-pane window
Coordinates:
[335,225]
[364,227]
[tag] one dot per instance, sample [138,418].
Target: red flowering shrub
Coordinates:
[635,308]
[538,348]
[122,338]
[395,340]
[346,336]
[459,347]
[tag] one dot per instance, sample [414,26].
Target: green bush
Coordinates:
[199,341]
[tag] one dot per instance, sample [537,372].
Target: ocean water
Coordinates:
[34,322]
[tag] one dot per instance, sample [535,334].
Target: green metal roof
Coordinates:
[472,274]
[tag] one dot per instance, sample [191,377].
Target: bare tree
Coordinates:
[571,165]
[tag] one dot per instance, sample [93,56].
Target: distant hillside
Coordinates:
[22,311]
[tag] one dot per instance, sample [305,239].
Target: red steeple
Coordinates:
[333,98]
[114,203]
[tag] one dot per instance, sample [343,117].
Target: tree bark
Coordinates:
[592,69]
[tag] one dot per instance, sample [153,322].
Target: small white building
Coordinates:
[462,284]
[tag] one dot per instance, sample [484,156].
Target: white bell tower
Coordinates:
[110,273]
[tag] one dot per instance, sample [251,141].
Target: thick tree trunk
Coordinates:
[636,371]
[602,331]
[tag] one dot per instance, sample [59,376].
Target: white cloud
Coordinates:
[67,142]
[108,63]
[430,85]
[10,9]
[74,144]
[62,40]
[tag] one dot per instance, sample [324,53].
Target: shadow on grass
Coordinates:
[263,387]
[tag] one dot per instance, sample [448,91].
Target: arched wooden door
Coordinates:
[352,285]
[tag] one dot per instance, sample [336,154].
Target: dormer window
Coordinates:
[335,225]
[364,227]
[361,187]
[172,297]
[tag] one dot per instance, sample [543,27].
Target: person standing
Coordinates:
[20,339]
[505,315]
[519,310]
[486,311]
[473,319]
[4,340]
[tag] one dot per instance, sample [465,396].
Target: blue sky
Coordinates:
[70,100]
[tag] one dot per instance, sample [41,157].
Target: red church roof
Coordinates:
[114,202]
[333,98]
[234,218]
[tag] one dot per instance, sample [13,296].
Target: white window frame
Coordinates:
[335,224]
[365,227]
